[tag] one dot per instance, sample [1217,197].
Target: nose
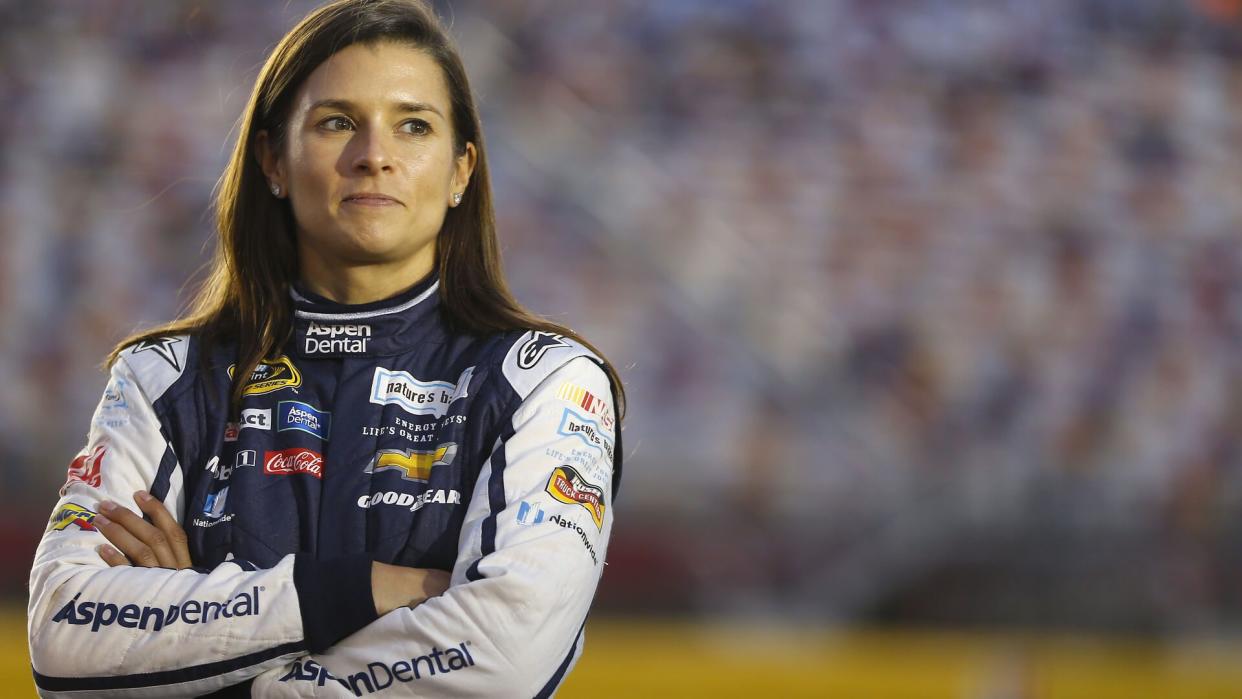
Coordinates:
[370,153]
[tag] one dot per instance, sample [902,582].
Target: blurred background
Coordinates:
[930,313]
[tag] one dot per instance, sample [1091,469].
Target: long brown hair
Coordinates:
[245,297]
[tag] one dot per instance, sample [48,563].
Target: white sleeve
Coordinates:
[530,555]
[127,631]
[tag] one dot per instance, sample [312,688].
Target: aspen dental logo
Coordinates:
[97,615]
[415,396]
[336,339]
[381,675]
[568,486]
[296,415]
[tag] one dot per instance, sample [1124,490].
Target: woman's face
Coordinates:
[368,163]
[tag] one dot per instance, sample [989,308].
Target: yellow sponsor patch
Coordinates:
[413,465]
[72,513]
[271,375]
[567,486]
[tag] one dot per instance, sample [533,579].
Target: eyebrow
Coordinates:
[404,107]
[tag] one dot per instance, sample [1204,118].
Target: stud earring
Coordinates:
[275,189]
[456,198]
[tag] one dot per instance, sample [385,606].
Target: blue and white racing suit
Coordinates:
[379,434]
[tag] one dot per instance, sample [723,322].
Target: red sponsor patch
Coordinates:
[85,468]
[287,461]
[230,431]
[589,402]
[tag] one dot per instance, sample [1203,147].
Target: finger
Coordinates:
[111,556]
[139,540]
[163,520]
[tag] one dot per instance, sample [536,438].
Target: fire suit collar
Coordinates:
[325,328]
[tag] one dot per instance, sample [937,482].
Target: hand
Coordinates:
[397,586]
[160,543]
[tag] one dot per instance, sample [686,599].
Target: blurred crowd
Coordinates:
[928,309]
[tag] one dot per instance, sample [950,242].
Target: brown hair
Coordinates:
[245,297]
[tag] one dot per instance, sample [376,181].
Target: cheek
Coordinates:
[312,166]
[429,170]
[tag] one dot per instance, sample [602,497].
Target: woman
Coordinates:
[363,466]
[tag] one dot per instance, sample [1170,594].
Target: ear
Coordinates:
[270,161]
[463,168]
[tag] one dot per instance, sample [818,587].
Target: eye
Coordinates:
[418,127]
[337,123]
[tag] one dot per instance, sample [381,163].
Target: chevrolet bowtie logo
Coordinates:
[413,465]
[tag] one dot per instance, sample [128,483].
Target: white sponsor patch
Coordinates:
[257,418]
[575,425]
[415,396]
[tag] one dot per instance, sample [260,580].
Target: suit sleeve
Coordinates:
[128,631]
[530,555]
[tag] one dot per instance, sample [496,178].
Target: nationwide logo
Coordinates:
[271,375]
[72,513]
[337,339]
[290,461]
[589,431]
[130,616]
[529,514]
[380,675]
[85,468]
[256,418]
[213,506]
[573,527]
[567,486]
[432,496]
[586,400]
[295,415]
[538,345]
[415,396]
[412,465]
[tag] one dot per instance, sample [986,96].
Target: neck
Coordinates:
[354,284]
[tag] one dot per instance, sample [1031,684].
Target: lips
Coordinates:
[371,199]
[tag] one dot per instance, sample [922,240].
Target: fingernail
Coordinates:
[101,549]
[142,495]
[101,520]
[107,506]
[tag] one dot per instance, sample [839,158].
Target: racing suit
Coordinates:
[379,434]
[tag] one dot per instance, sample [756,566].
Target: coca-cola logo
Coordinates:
[287,461]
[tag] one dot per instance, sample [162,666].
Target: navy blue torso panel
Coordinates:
[367,434]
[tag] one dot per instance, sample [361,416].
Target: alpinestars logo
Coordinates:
[130,616]
[162,346]
[538,345]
